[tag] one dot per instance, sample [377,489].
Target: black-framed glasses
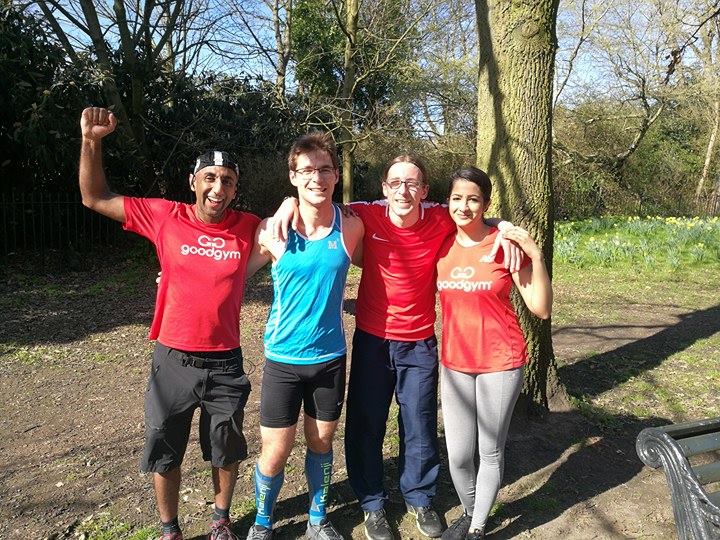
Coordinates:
[308,172]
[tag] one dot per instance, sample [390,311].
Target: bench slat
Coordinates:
[708,473]
[700,444]
[678,431]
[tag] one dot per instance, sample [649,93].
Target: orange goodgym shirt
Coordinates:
[480,328]
[197,307]
[396,298]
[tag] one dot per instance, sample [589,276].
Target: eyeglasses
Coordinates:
[308,172]
[412,185]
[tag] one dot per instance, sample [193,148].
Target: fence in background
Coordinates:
[39,222]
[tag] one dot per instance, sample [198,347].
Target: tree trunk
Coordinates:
[283,45]
[714,206]
[348,89]
[709,152]
[517,49]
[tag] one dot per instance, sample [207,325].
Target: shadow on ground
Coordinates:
[601,372]
[111,290]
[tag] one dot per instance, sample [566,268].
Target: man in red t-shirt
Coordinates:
[395,348]
[206,252]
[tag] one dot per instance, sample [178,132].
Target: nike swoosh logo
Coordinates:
[376,237]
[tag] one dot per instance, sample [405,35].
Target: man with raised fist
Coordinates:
[206,253]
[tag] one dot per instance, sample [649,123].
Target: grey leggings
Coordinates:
[476,413]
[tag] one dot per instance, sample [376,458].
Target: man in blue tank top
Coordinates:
[304,338]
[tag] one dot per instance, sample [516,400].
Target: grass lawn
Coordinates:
[616,290]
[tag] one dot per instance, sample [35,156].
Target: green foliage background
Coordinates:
[182,115]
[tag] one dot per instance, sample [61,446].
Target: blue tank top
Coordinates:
[305,322]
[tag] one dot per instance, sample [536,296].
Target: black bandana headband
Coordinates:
[216,157]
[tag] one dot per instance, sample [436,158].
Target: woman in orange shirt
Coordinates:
[483,349]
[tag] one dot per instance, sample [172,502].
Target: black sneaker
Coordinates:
[475,534]
[427,520]
[323,531]
[458,529]
[377,526]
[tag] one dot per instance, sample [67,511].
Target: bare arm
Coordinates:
[96,123]
[353,232]
[259,256]
[533,280]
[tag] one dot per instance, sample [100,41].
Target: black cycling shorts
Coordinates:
[321,387]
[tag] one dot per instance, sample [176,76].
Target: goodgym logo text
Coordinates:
[210,247]
[460,280]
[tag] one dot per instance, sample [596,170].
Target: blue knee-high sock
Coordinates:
[267,489]
[318,471]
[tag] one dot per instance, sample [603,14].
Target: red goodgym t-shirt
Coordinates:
[203,265]
[480,328]
[396,297]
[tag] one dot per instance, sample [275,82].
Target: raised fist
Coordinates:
[96,123]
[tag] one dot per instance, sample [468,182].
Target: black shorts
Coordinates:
[179,383]
[321,387]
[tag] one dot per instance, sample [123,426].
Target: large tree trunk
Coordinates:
[517,50]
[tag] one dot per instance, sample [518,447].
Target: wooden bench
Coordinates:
[697,510]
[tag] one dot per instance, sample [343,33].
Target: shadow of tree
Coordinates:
[572,461]
[599,373]
[575,459]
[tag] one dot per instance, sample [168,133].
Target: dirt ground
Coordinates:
[74,359]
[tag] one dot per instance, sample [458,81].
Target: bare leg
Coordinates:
[277,444]
[224,479]
[167,493]
[319,434]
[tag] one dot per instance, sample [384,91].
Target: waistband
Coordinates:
[206,359]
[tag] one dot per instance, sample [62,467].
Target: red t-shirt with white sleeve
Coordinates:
[480,328]
[396,298]
[203,265]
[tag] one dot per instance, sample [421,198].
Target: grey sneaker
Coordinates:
[258,532]
[323,531]
[475,534]
[458,529]
[426,520]
[377,526]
